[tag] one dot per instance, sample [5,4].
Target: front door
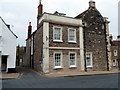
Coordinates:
[4,63]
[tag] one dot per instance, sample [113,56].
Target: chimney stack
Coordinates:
[92,3]
[29,29]
[40,8]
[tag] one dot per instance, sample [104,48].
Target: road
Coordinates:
[30,79]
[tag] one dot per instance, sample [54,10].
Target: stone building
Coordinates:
[96,39]
[115,48]
[62,43]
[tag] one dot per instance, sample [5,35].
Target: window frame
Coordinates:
[54,40]
[71,41]
[60,60]
[90,59]
[75,59]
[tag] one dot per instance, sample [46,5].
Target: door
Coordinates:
[4,63]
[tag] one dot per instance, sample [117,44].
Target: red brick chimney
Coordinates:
[40,8]
[29,29]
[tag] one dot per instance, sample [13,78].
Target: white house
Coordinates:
[8,41]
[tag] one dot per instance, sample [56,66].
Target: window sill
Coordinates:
[72,42]
[72,66]
[58,41]
[89,66]
[59,67]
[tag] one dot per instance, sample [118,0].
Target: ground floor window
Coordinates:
[114,63]
[58,59]
[89,60]
[72,57]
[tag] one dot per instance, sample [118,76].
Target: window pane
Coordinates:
[88,60]
[71,35]
[57,33]
[72,59]
[57,59]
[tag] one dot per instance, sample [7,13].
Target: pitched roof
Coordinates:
[7,27]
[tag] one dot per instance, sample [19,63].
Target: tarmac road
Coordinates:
[30,79]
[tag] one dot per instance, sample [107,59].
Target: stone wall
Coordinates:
[65,42]
[95,38]
[27,60]
[65,61]
[38,49]
[65,52]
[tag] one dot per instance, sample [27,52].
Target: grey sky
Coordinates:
[19,12]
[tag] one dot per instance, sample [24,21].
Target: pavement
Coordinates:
[56,74]
[70,74]
[9,75]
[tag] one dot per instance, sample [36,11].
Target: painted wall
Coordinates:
[9,42]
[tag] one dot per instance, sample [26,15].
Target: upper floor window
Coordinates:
[57,34]
[115,52]
[72,35]
[89,60]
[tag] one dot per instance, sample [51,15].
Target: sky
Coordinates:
[18,13]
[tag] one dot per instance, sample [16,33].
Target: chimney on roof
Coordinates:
[29,29]
[40,8]
[40,12]
[91,3]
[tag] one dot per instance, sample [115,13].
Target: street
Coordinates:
[30,79]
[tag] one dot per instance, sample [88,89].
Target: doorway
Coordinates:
[4,63]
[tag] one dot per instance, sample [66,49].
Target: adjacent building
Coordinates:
[8,41]
[115,48]
[63,43]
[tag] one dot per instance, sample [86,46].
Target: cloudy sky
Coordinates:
[18,13]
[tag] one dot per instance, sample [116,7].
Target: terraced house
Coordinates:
[63,43]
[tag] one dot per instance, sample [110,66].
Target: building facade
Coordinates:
[62,43]
[96,39]
[8,41]
[115,48]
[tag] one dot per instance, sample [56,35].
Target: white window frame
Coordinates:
[60,33]
[60,60]
[75,59]
[91,60]
[72,41]
[115,52]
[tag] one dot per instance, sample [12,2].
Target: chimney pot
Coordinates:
[91,3]
[29,29]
